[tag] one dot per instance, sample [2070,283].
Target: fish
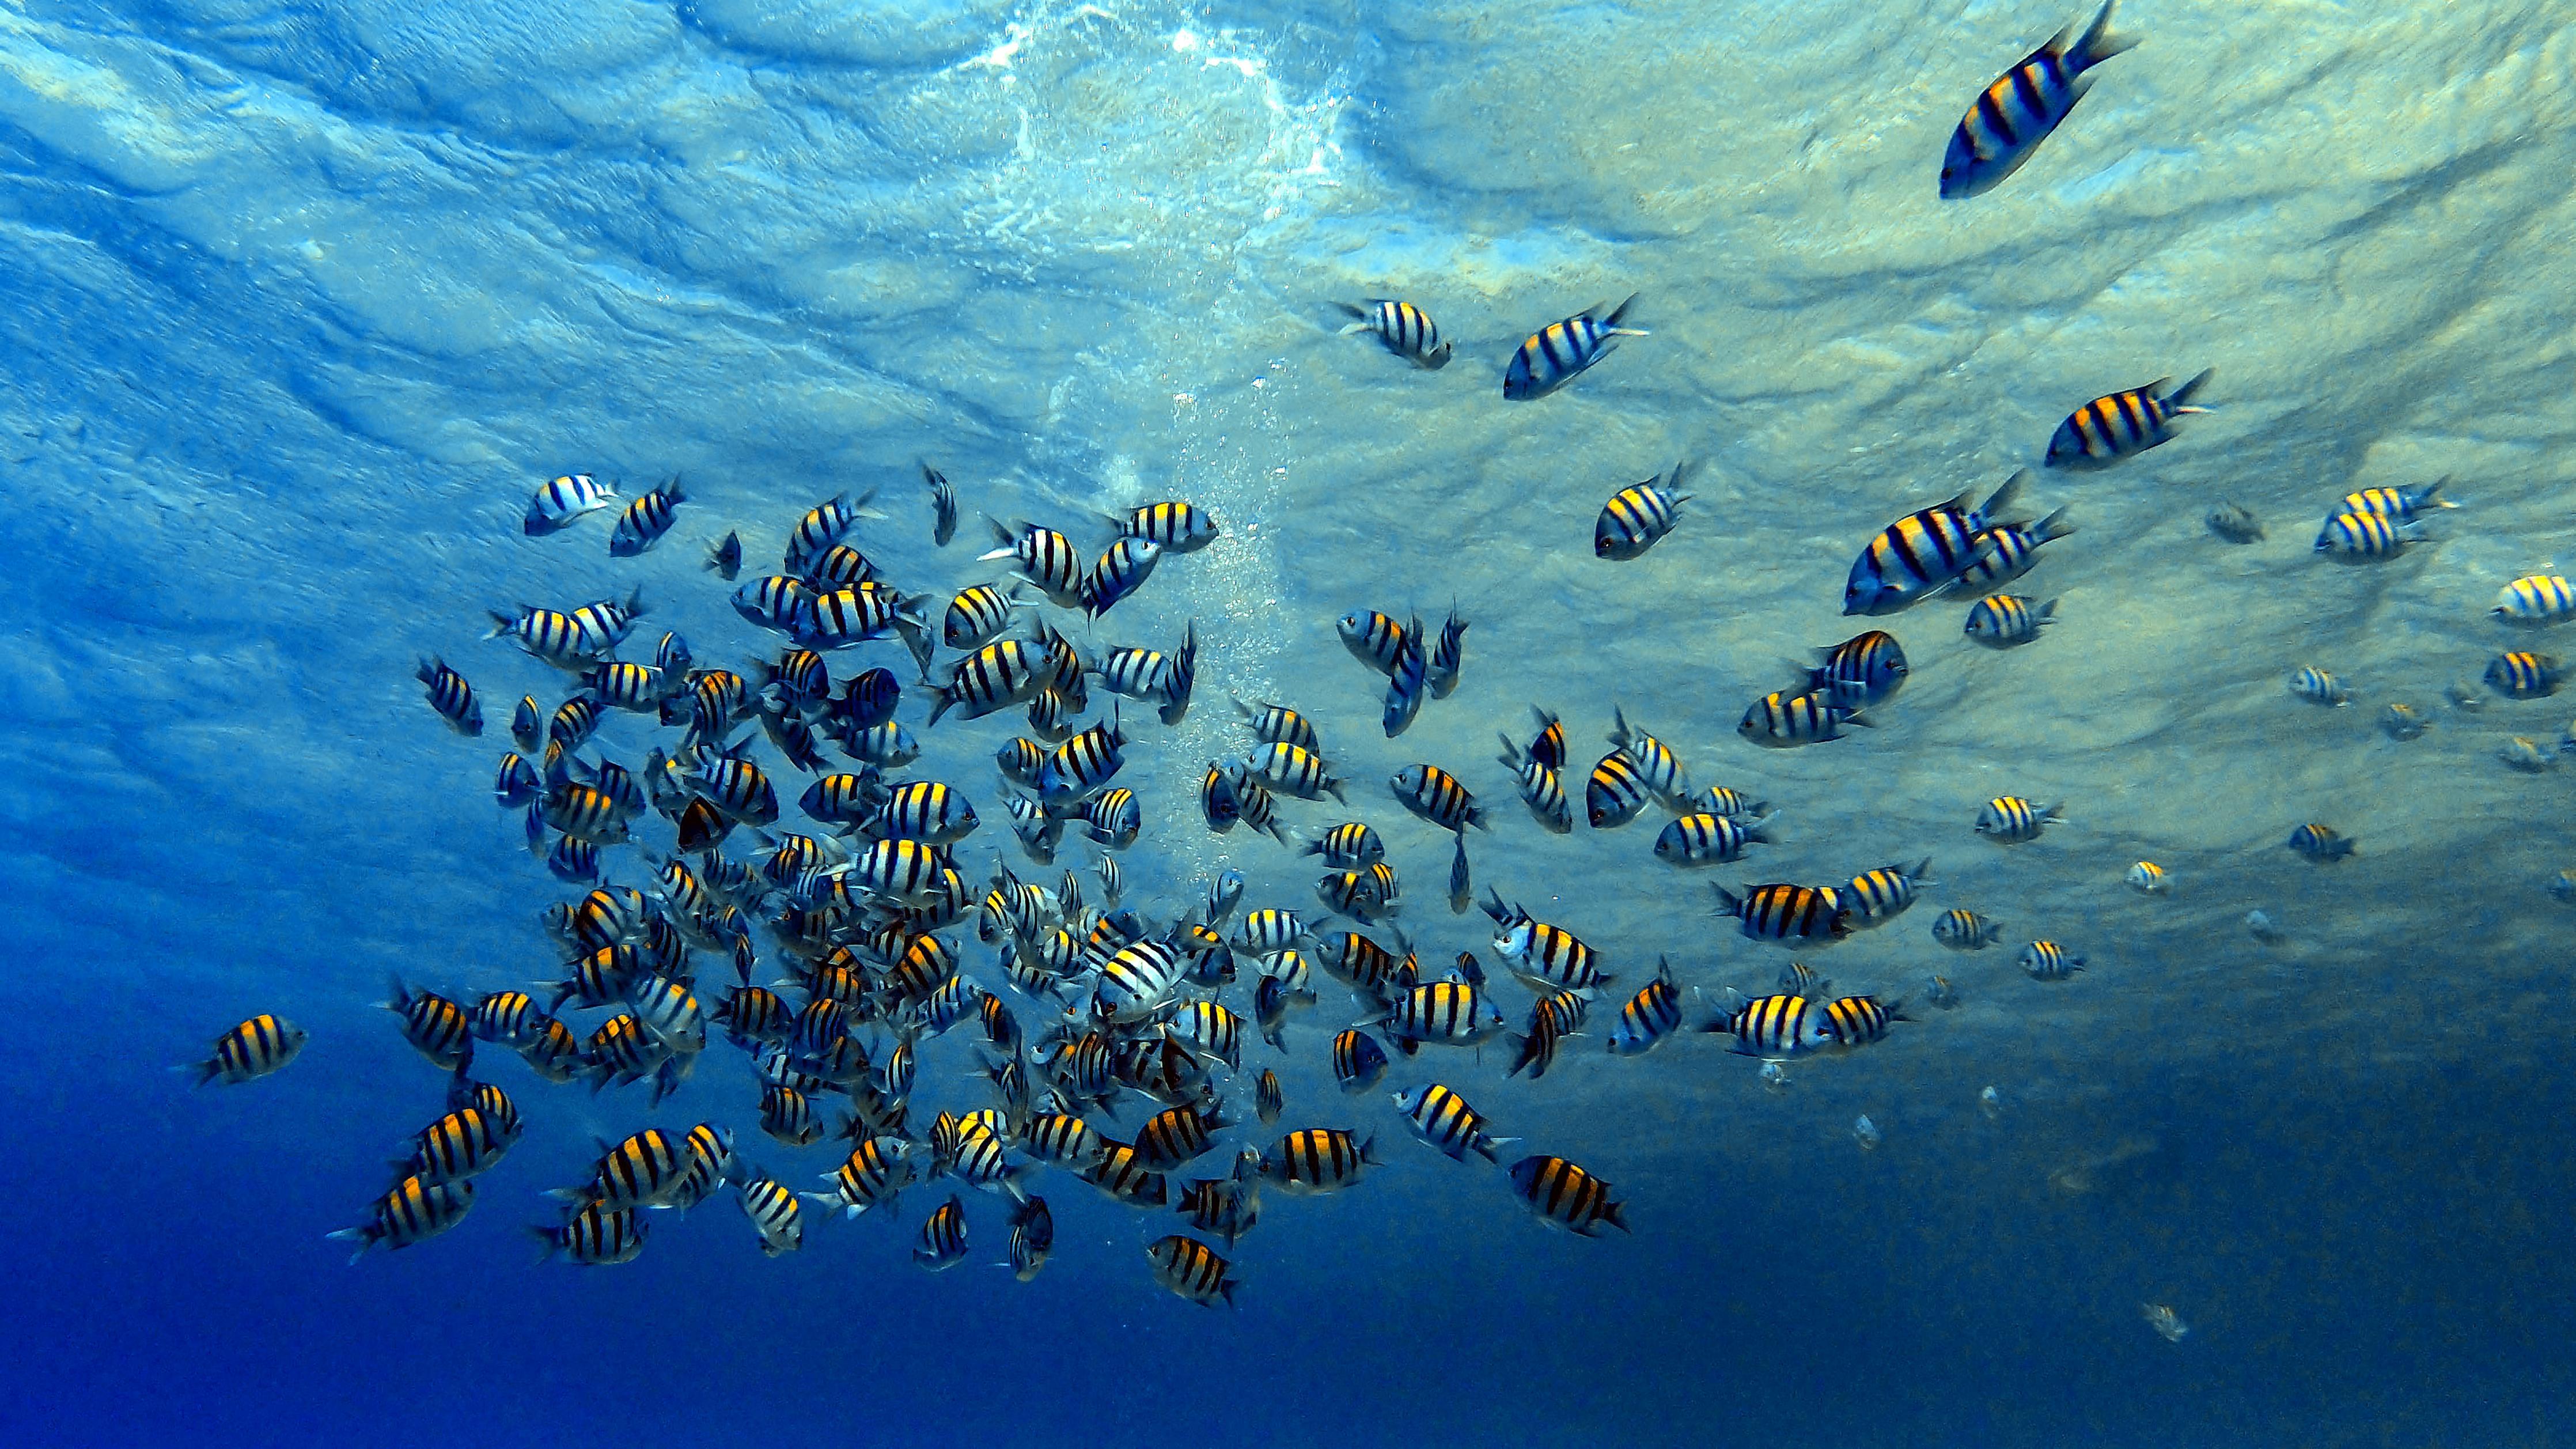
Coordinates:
[2401,502]
[1358,1061]
[1448,656]
[1404,329]
[977,616]
[1408,683]
[259,1046]
[1316,1160]
[2535,599]
[1177,1135]
[1855,1021]
[1535,1052]
[1781,720]
[1866,1133]
[1659,769]
[1267,1099]
[1445,1123]
[1566,1196]
[1650,1016]
[1032,1237]
[823,525]
[772,601]
[1442,1013]
[1046,558]
[776,1214]
[1433,794]
[2318,687]
[1863,670]
[1113,819]
[1373,638]
[1276,724]
[1119,573]
[1348,846]
[2401,722]
[1925,551]
[1733,804]
[1552,356]
[2234,523]
[1227,1206]
[575,862]
[943,1236]
[1800,979]
[1942,994]
[1003,673]
[2167,1324]
[528,725]
[2116,425]
[2526,755]
[2350,537]
[943,507]
[1173,526]
[1786,913]
[463,1144]
[2522,674]
[1777,1025]
[413,1212]
[2005,620]
[561,501]
[1638,516]
[436,1027]
[1875,897]
[2006,551]
[1462,889]
[451,696]
[1615,792]
[2048,961]
[2319,843]
[1192,1270]
[2010,819]
[1548,748]
[1540,789]
[2148,878]
[724,556]
[646,519]
[1546,958]
[1292,770]
[874,1174]
[2022,106]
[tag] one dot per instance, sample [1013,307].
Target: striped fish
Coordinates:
[2048,961]
[1546,958]
[1119,1175]
[1638,516]
[1315,1160]
[2399,502]
[1658,768]
[1175,1135]
[2535,599]
[644,1170]
[253,1049]
[1443,1013]
[2007,551]
[1853,1021]
[1404,329]
[1120,572]
[1733,804]
[646,519]
[1541,789]
[1448,655]
[414,1212]
[1535,1052]
[1785,913]
[1277,724]
[926,811]
[527,725]
[943,506]
[2148,878]
[2115,425]
[776,1213]
[2355,536]
[1113,819]
[1650,1016]
[1348,846]
[1566,1195]
[1705,839]
[2318,687]
[560,501]
[2017,112]
[1444,1121]
[1082,764]
[943,1237]
[595,1237]
[1032,1238]
[1551,357]
[1136,981]
[839,567]
[1292,770]
[873,1175]
[451,696]
[1358,1061]
[460,1145]
[574,722]
[787,1115]
[2320,843]
[823,525]
[1773,1026]
[1924,551]
[1172,526]
[507,1018]
[1003,673]
[1373,638]
[1135,673]
[1875,897]
[2005,620]
[1193,1270]
[436,1027]
[2008,819]
[1409,683]
[1781,720]
[977,616]
[1433,794]
[2524,675]
[1860,671]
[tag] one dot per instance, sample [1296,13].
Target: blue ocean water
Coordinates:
[308,301]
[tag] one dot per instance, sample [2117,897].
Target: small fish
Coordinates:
[1925,551]
[1733,804]
[1787,913]
[1267,1100]
[776,1214]
[2401,722]
[2463,698]
[1800,979]
[1772,1026]
[1540,788]
[2525,755]
[977,616]
[943,507]
[1650,1017]
[1615,792]
[2023,105]
[1448,656]
[1223,893]
[414,1212]
[822,526]
[1638,516]
[1405,329]
[1875,897]
[1990,1102]
[2350,537]
[1566,1196]
[1658,768]
[1192,1270]
[2006,620]
[1276,724]
[2007,551]
[451,696]
[1373,638]
[2148,878]
[528,725]
[2318,687]
[2010,819]
[1462,889]
[2535,599]
[1865,1132]
[1046,558]
[1316,1160]
[2562,887]
[1173,526]
[1775,1076]
[2262,928]
[725,556]
[1032,1231]
[943,1236]
[1409,683]
[1292,770]
[251,1050]
[1860,671]
[1549,747]
[1120,572]
[646,519]
[1433,794]
[2115,425]
[2401,502]
[2164,1321]
[1551,357]
[1350,845]
[2524,675]
[1965,931]
[561,501]
[2319,843]
[1941,993]
[1444,1122]
[2048,961]
[2234,523]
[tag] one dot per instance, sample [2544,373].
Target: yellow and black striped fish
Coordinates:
[1443,1013]
[436,1027]
[414,1212]
[2010,819]
[1435,795]
[644,1170]
[2048,961]
[2320,842]
[253,1049]
[839,567]
[1405,330]
[1650,1016]
[1032,1238]
[561,500]
[1358,1061]
[1444,1121]
[1704,839]
[646,519]
[1172,526]
[1277,724]
[595,1237]
[1552,356]
[1773,1026]
[1541,789]
[1780,720]
[1003,673]
[1175,1135]
[823,525]
[1267,1098]
[1374,639]
[1852,1021]
[1786,913]
[977,616]
[1566,1195]
[451,696]
[1924,551]
[875,1172]
[1638,516]
[2004,620]
[776,1213]
[2536,599]
[2115,425]
[2522,674]
[2357,536]
[457,1146]
[1317,1160]
[1875,897]
[1192,1269]
[2023,105]
[1118,1174]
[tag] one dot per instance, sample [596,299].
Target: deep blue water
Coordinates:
[305,302]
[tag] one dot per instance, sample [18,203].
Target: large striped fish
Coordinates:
[1924,551]
[1550,357]
[2014,114]
[2116,424]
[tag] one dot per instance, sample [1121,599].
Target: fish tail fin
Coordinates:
[2098,44]
[206,1070]
[2181,395]
[1616,1215]
[2050,527]
[1611,322]
[501,623]
[2004,493]
[359,1236]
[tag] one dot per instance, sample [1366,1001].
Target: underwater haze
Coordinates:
[306,301]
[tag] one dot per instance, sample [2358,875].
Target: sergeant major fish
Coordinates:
[1405,329]
[2115,425]
[1552,356]
[2023,105]
[1925,551]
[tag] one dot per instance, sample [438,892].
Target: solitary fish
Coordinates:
[1406,330]
[1551,356]
[2017,112]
